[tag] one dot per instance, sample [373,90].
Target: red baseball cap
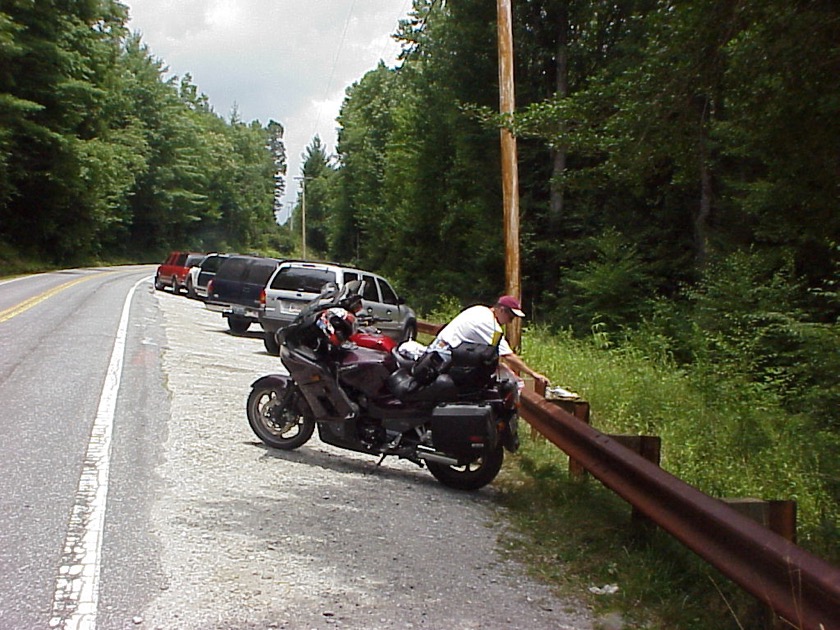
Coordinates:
[512,303]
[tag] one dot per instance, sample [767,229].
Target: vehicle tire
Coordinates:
[472,476]
[190,289]
[158,284]
[409,332]
[277,427]
[270,342]
[176,288]
[238,325]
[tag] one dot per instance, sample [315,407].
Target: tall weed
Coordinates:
[733,439]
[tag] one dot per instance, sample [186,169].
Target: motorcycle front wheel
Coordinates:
[275,423]
[472,476]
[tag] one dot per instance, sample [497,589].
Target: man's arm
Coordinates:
[519,366]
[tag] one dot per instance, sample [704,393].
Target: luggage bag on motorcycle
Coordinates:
[473,364]
[464,430]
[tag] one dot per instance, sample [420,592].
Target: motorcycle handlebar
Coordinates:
[367,320]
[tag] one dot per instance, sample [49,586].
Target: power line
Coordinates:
[334,64]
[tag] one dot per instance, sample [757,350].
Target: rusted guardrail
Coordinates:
[801,588]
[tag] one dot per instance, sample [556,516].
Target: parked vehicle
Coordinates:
[200,275]
[173,271]
[237,288]
[296,283]
[457,422]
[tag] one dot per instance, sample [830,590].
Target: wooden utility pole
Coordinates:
[303,216]
[510,172]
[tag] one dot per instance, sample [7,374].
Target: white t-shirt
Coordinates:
[476,324]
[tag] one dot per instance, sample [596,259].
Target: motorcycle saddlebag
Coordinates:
[464,430]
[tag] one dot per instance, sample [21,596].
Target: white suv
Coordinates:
[294,284]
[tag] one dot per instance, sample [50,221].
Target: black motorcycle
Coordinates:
[455,418]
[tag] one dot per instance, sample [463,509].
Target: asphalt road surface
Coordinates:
[134,494]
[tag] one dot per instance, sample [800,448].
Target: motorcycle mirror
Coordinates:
[329,289]
[353,287]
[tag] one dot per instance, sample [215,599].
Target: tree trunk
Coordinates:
[704,211]
[701,219]
[555,214]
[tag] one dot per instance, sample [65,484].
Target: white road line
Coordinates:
[77,585]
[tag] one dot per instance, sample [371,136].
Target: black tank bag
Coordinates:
[473,364]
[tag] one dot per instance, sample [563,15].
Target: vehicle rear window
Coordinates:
[302,279]
[212,263]
[194,260]
[260,271]
[232,268]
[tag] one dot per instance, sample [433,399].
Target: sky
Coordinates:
[284,60]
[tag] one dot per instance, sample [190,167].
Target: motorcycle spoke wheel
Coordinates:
[472,476]
[278,426]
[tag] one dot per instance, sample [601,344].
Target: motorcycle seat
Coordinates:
[405,388]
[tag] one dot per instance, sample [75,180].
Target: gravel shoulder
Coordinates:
[319,537]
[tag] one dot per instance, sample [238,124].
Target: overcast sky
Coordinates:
[283,60]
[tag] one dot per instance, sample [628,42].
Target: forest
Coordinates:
[101,158]
[679,170]
[679,167]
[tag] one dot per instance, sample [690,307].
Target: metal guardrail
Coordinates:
[799,587]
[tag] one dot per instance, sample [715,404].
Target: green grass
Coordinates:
[577,534]
[729,439]
[13,264]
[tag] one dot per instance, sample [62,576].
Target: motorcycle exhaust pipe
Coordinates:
[429,454]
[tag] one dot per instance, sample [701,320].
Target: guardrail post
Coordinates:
[580,410]
[575,406]
[777,516]
[649,447]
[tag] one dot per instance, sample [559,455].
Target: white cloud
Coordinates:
[286,60]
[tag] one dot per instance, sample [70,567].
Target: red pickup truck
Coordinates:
[173,271]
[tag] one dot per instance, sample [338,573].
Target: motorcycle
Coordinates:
[363,394]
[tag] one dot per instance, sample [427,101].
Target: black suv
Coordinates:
[237,287]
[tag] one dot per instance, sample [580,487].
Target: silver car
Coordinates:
[294,284]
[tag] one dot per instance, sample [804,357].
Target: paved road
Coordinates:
[57,334]
[203,527]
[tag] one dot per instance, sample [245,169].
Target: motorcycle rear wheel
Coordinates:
[472,476]
[279,427]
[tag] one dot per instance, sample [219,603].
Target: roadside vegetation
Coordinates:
[723,433]
[738,416]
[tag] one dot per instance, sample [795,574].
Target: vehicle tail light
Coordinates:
[210,288]
[262,298]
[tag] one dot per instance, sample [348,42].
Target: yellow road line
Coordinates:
[27,304]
